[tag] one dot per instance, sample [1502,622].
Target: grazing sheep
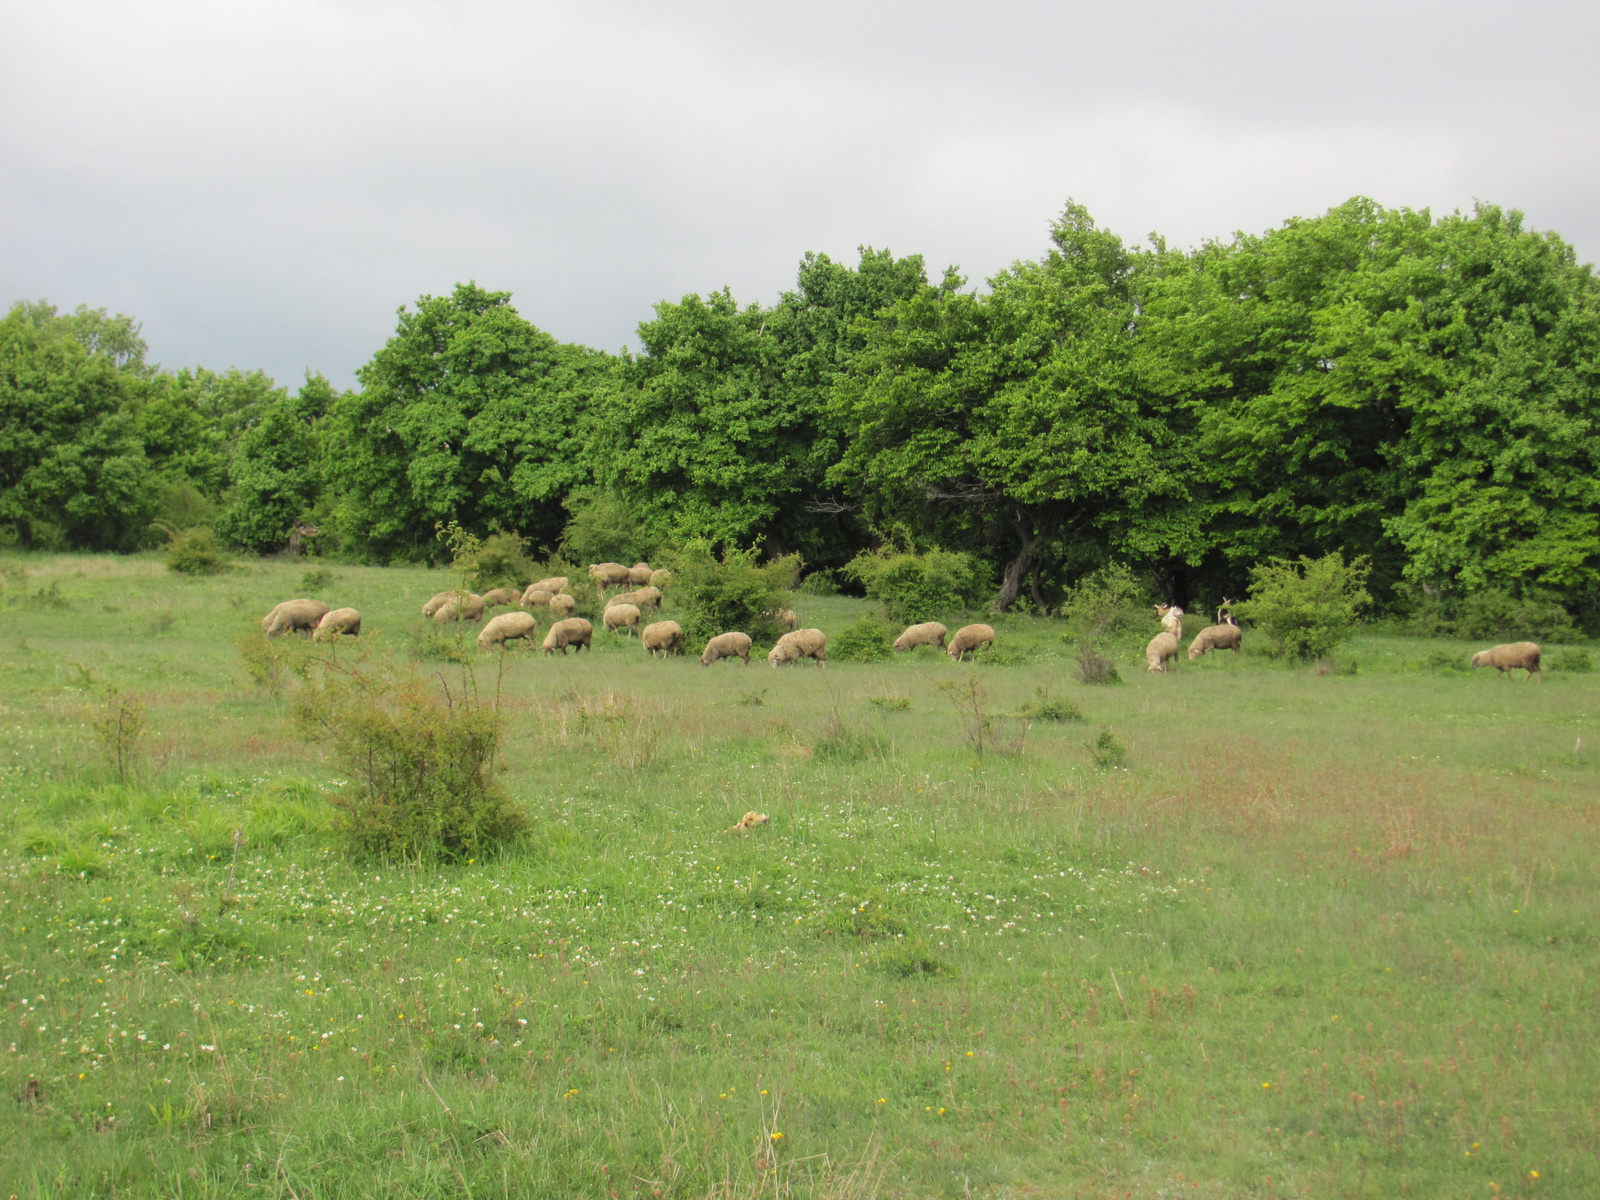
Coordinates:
[292,616]
[968,639]
[553,585]
[563,603]
[621,616]
[665,636]
[1160,649]
[464,606]
[439,601]
[802,643]
[574,631]
[1510,657]
[610,575]
[536,597]
[748,822]
[639,573]
[929,633]
[726,645]
[787,618]
[345,621]
[1171,618]
[509,597]
[506,627]
[660,579]
[1216,637]
[642,597]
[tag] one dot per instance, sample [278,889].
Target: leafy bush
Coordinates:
[732,593]
[195,552]
[1106,603]
[1093,664]
[605,528]
[867,639]
[499,560]
[1494,613]
[315,580]
[1048,709]
[1572,660]
[420,759]
[920,587]
[819,583]
[1306,608]
[1107,750]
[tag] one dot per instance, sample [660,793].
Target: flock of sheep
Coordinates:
[624,610]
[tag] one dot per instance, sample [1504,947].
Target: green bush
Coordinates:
[1572,660]
[819,583]
[499,560]
[733,593]
[605,527]
[1107,750]
[421,761]
[1106,603]
[1494,614]
[921,587]
[867,639]
[195,552]
[1306,608]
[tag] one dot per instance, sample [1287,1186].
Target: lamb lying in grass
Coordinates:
[1162,648]
[748,822]
[1511,657]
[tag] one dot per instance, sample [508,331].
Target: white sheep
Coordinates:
[726,645]
[665,636]
[563,603]
[574,632]
[969,639]
[1160,649]
[802,643]
[293,616]
[344,622]
[506,597]
[1510,657]
[507,627]
[621,616]
[929,633]
[1171,618]
[1216,637]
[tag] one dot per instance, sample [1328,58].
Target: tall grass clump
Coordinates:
[866,639]
[734,592]
[915,587]
[194,552]
[420,757]
[1309,606]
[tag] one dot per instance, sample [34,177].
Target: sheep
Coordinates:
[726,645]
[563,603]
[439,601]
[748,822]
[968,639]
[929,633]
[293,615]
[621,616]
[1159,650]
[660,579]
[1171,618]
[639,573]
[508,597]
[647,595]
[346,621]
[536,597]
[802,643]
[554,585]
[1216,637]
[463,606]
[506,627]
[665,636]
[787,618]
[610,574]
[1225,613]
[574,631]
[1511,656]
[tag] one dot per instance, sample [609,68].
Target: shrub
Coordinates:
[1494,613]
[819,583]
[1106,603]
[1107,750]
[315,580]
[1572,660]
[420,758]
[867,639]
[1093,664]
[119,725]
[731,593]
[605,527]
[1048,709]
[1306,608]
[195,552]
[499,560]
[920,587]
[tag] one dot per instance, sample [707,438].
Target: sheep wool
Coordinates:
[1511,657]
[439,601]
[929,633]
[1171,618]
[553,585]
[506,597]
[1216,637]
[505,628]
[574,631]
[665,636]
[610,574]
[621,616]
[563,603]
[969,639]
[341,622]
[726,645]
[802,643]
[294,616]
[536,597]
[1160,650]
[748,822]
[639,573]
[462,606]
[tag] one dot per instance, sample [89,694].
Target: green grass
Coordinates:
[1321,935]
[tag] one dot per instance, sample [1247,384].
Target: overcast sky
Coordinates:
[263,184]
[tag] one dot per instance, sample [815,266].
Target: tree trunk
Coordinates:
[24,533]
[1017,572]
[1038,591]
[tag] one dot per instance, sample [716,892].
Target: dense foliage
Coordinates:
[1417,392]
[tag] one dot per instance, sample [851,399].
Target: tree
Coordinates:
[69,452]
[1022,415]
[469,414]
[277,470]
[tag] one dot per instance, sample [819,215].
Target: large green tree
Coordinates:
[276,469]
[70,456]
[469,414]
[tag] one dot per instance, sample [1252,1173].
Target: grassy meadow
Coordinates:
[1247,930]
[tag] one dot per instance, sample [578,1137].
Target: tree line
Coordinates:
[1420,392]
